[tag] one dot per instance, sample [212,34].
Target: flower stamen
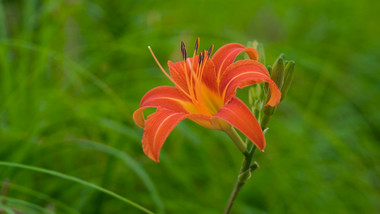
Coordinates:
[166,74]
[200,59]
[196,46]
[210,51]
[183,50]
[189,79]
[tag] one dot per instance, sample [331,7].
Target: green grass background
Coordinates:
[73,71]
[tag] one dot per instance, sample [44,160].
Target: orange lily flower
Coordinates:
[204,92]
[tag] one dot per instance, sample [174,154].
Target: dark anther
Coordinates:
[210,51]
[203,55]
[200,58]
[183,50]
[196,45]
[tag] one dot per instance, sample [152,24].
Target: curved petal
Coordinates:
[165,97]
[209,75]
[226,55]
[238,115]
[180,74]
[138,117]
[157,129]
[244,73]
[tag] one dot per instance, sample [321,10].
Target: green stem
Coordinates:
[245,171]
[231,132]
[244,175]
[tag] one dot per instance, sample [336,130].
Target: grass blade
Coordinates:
[130,162]
[6,209]
[29,205]
[76,180]
[42,196]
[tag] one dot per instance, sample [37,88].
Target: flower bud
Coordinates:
[269,110]
[251,96]
[254,94]
[266,87]
[289,68]
[256,99]
[269,69]
[282,74]
[278,73]
[254,44]
[260,50]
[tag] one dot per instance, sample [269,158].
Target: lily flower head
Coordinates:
[204,91]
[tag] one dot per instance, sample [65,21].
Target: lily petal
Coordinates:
[238,115]
[180,74]
[165,97]
[157,129]
[209,75]
[226,55]
[138,117]
[244,73]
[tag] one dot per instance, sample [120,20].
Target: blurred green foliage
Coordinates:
[73,71]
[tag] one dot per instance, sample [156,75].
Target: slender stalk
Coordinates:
[245,171]
[234,193]
[244,175]
[231,132]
